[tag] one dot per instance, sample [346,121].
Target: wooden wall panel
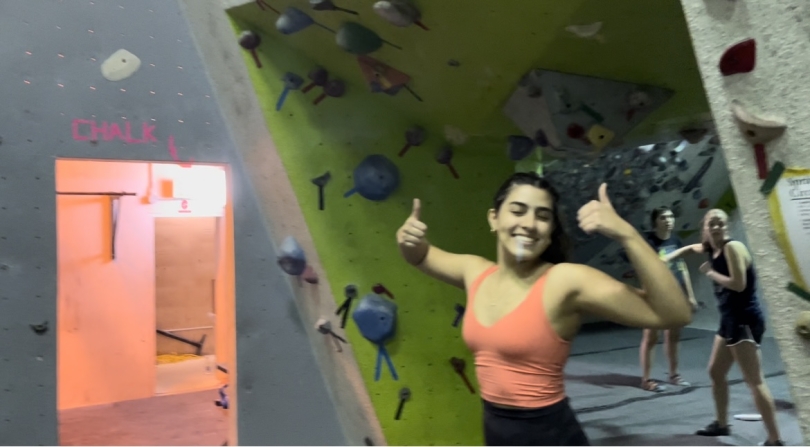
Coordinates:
[185,270]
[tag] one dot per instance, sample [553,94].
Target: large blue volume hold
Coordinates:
[376,318]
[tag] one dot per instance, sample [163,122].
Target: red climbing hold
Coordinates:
[739,58]
[703,204]
[575,131]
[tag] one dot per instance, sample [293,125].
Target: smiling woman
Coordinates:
[527,307]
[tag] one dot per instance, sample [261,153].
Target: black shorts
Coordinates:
[737,330]
[555,424]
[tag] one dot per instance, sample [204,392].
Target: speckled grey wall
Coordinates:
[50,57]
[778,86]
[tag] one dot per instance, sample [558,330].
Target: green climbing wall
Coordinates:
[494,46]
[355,238]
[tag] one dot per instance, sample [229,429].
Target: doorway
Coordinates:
[145,303]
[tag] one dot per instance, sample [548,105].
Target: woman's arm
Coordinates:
[662,302]
[451,268]
[598,294]
[736,255]
[454,269]
[660,305]
[685,250]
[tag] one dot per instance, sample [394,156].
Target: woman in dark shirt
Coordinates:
[742,324]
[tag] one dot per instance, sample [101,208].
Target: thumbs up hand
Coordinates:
[411,236]
[599,216]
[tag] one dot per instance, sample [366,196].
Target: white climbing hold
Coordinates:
[454,135]
[397,12]
[586,31]
[121,65]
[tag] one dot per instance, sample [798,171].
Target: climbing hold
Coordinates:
[519,147]
[445,157]
[324,326]
[399,13]
[223,398]
[309,276]
[357,39]
[600,136]
[757,131]
[293,20]
[739,58]
[375,178]
[329,5]
[41,328]
[321,181]
[292,259]
[380,289]
[120,65]
[334,88]
[318,77]
[291,81]
[540,138]
[414,136]
[454,135]
[381,77]
[376,317]
[703,204]
[585,31]
[575,131]
[250,41]
[693,135]
[803,324]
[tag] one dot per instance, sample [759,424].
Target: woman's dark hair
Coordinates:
[656,213]
[558,250]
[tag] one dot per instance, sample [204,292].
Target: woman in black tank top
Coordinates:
[730,268]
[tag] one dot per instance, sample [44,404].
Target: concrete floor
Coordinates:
[602,380]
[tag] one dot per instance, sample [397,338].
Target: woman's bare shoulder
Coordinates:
[476,266]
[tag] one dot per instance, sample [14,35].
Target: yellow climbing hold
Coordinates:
[628,171]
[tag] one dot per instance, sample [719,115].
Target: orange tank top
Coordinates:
[519,360]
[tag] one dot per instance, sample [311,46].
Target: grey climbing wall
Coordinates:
[50,57]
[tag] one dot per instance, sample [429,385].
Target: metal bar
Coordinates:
[197,345]
[117,194]
[115,208]
[188,329]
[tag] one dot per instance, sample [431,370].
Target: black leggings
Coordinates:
[555,424]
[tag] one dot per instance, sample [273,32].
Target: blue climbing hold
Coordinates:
[292,258]
[293,20]
[375,178]
[376,318]
[540,138]
[519,147]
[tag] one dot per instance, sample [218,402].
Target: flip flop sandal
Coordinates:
[652,385]
[677,380]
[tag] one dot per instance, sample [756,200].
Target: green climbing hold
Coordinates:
[357,39]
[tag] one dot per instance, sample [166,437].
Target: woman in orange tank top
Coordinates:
[522,313]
